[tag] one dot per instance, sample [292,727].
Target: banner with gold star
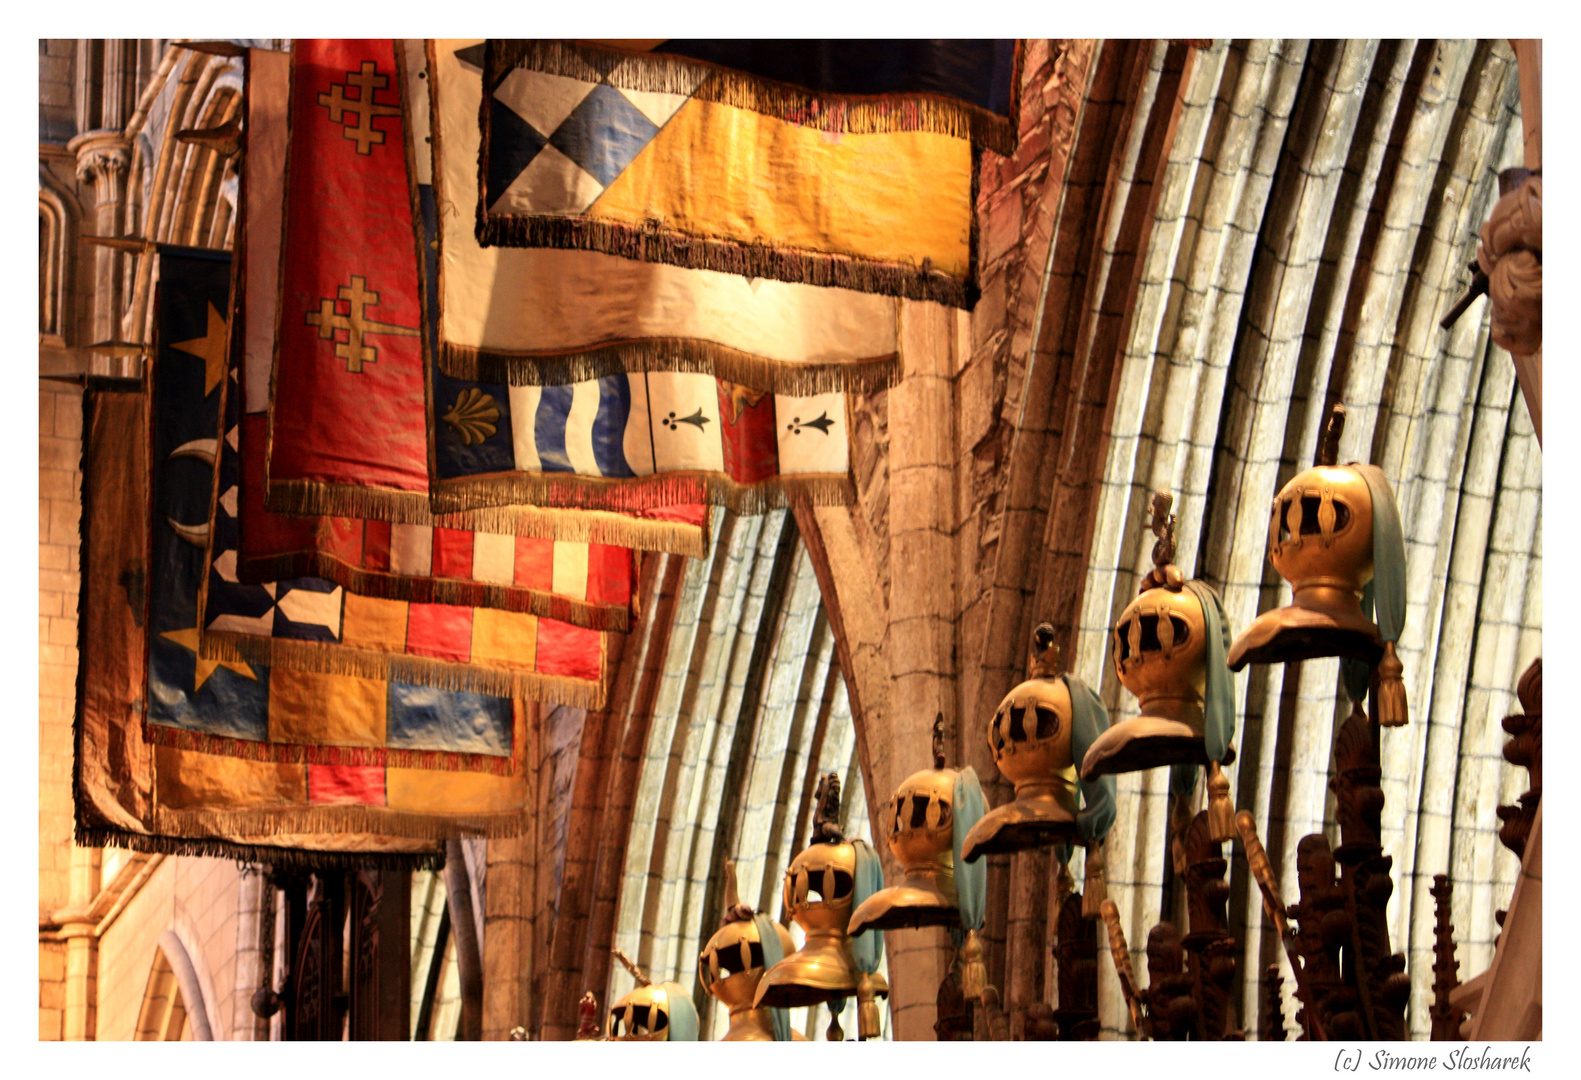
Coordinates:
[227,750]
[310,624]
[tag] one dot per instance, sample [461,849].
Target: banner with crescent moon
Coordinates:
[130,792]
[185,753]
[335,625]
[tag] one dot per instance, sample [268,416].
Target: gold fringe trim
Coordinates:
[540,368]
[855,114]
[316,498]
[826,269]
[432,590]
[591,526]
[643,493]
[305,754]
[293,858]
[310,498]
[329,820]
[393,667]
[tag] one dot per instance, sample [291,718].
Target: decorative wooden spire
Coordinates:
[1446,1018]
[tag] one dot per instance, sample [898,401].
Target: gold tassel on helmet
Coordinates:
[974,972]
[869,1025]
[1094,892]
[1392,708]
[1221,811]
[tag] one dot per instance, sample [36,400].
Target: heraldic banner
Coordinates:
[180,753]
[346,432]
[843,163]
[319,625]
[562,314]
[322,467]
[626,441]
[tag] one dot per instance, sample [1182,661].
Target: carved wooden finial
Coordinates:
[1163,526]
[826,812]
[1445,1017]
[735,910]
[1164,574]
[636,972]
[1328,448]
[938,741]
[1045,653]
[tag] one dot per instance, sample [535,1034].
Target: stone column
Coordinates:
[79,930]
[922,612]
[103,158]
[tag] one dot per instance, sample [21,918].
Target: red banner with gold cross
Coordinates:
[347,432]
[347,435]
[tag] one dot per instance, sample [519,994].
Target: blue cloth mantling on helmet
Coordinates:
[869,945]
[971,879]
[1383,598]
[683,1014]
[1089,719]
[1218,697]
[773,953]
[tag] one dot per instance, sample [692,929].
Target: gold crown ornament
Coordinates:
[733,962]
[928,820]
[1168,649]
[1038,735]
[824,884]
[1334,533]
[652,1012]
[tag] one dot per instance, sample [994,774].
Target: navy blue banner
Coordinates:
[977,72]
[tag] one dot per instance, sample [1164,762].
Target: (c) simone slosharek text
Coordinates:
[1460,1059]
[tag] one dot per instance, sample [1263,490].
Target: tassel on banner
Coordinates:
[1094,892]
[1221,811]
[1393,710]
[974,971]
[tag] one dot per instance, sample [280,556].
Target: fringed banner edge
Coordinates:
[293,858]
[203,742]
[853,114]
[376,820]
[591,527]
[690,355]
[262,570]
[644,244]
[594,492]
[418,670]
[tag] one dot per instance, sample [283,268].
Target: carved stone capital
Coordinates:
[103,158]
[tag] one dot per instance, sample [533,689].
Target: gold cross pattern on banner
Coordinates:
[367,80]
[354,350]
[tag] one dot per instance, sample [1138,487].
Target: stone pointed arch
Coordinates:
[173,1004]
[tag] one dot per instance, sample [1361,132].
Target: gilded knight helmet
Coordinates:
[1040,731]
[823,886]
[1168,649]
[733,962]
[652,1012]
[1334,533]
[927,821]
